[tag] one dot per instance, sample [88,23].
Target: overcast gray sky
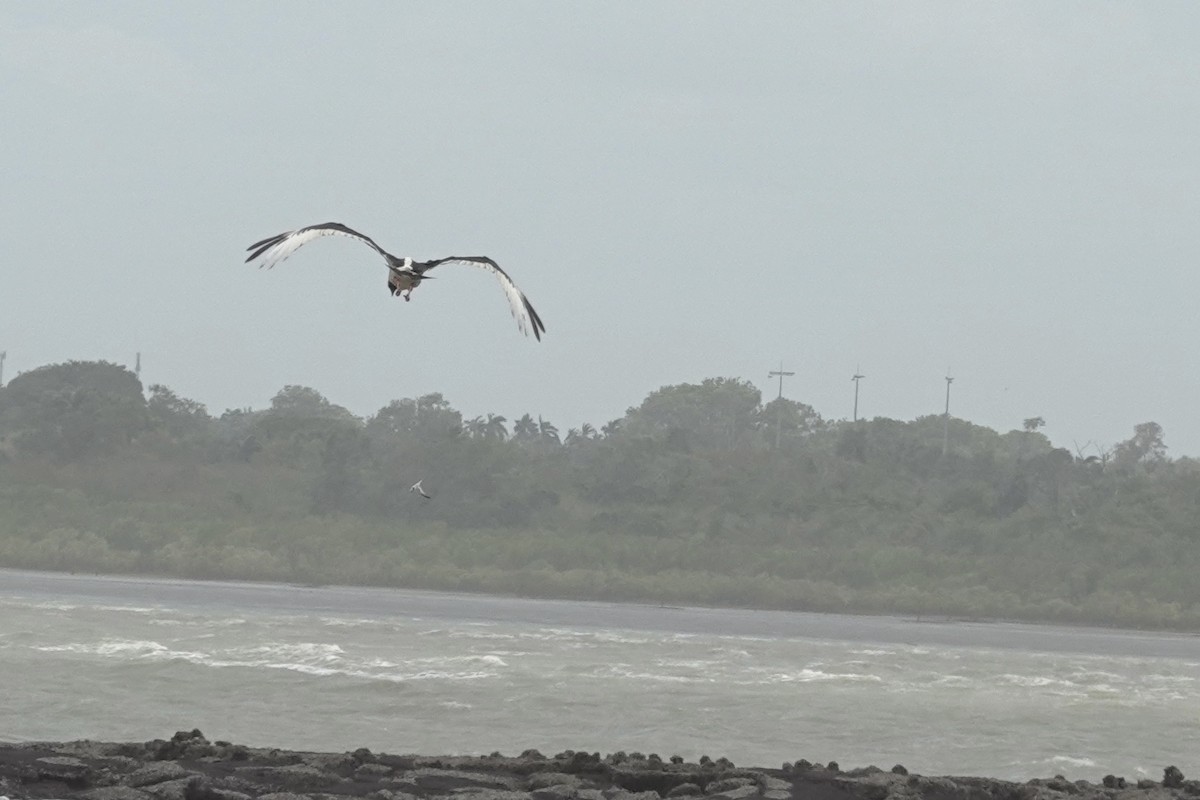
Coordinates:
[683,189]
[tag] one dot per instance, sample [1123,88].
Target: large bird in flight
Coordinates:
[404,274]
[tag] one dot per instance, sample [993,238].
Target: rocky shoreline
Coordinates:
[190,767]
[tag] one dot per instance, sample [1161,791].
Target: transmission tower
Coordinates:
[857,377]
[779,411]
[946,418]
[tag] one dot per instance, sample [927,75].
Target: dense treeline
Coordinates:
[700,494]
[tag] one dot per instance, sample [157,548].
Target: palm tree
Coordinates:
[476,428]
[611,428]
[581,435]
[547,432]
[494,427]
[525,428]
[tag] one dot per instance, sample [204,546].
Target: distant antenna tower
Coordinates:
[3,355]
[946,418]
[857,377]
[779,412]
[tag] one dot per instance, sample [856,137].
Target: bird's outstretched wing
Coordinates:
[277,248]
[522,310]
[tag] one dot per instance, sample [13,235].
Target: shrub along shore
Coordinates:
[699,495]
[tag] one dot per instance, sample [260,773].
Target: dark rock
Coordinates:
[115,793]
[372,771]
[541,780]
[558,791]
[384,794]
[740,793]
[773,788]
[434,780]
[728,784]
[63,768]
[297,777]
[155,773]
[184,744]
[176,789]
[200,770]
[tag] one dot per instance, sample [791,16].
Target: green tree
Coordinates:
[719,413]
[429,417]
[73,410]
[1145,447]
[175,415]
[788,420]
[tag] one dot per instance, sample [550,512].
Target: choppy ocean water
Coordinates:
[329,668]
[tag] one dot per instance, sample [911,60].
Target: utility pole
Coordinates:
[857,377]
[779,411]
[3,355]
[946,418]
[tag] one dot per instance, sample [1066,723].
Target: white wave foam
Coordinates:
[686,663]
[626,671]
[1036,681]
[319,659]
[108,647]
[481,635]
[810,675]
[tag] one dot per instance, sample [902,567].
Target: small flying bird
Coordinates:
[404,274]
[416,487]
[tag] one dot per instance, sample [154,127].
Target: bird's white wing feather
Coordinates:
[522,310]
[276,249]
